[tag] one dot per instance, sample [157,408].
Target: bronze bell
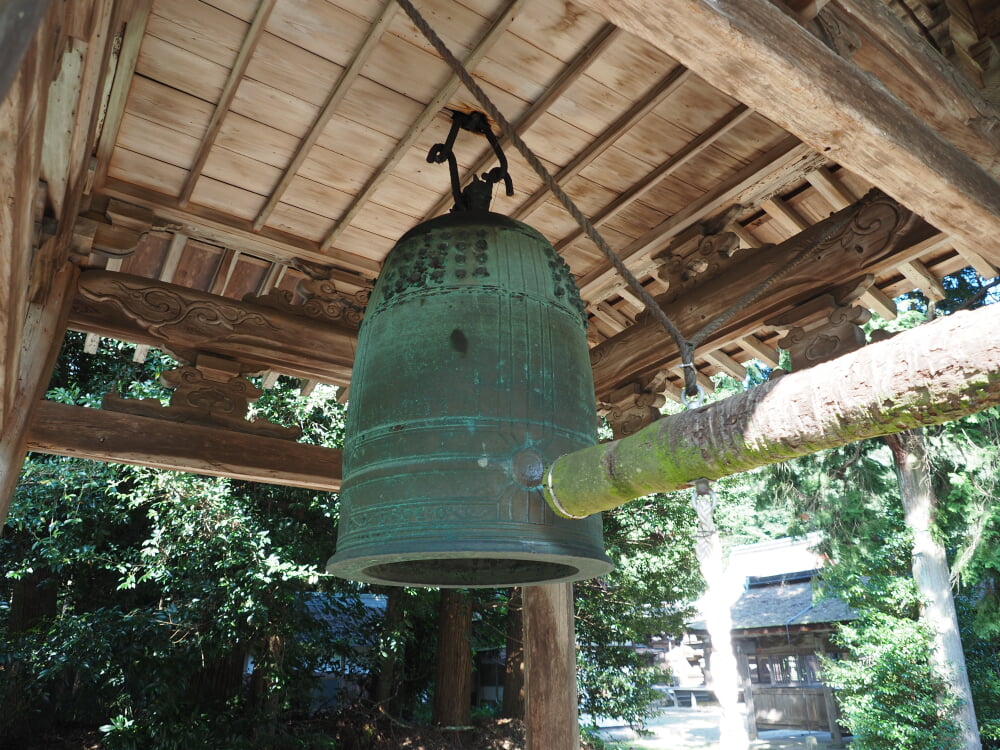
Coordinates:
[472,373]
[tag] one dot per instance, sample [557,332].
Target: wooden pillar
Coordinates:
[44,328]
[751,712]
[831,715]
[550,668]
[18,21]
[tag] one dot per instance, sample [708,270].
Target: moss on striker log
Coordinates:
[929,375]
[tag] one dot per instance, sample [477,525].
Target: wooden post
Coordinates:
[18,21]
[550,668]
[44,328]
[744,666]
[831,715]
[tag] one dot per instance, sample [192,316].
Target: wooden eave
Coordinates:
[236,148]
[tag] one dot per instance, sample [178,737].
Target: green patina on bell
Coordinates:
[472,373]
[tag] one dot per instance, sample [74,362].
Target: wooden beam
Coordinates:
[788,155]
[340,89]
[102,435]
[250,42]
[128,55]
[925,376]
[186,322]
[650,101]
[756,53]
[841,252]
[590,52]
[688,152]
[932,87]
[60,124]
[432,110]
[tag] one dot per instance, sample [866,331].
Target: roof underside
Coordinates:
[278,140]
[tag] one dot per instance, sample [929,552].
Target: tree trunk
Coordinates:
[453,684]
[716,603]
[34,604]
[390,646]
[942,371]
[219,679]
[933,578]
[266,679]
[513,678]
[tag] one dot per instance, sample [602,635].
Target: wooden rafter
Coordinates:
[576,68]
[754,52]
[128,55]
[224,229]
[923,279]
[99,55]
[250,43]
[786,216]
[431,111]
[689,151]
[340,89]
[759,350]
[652,99]
[831,188]
[725,363]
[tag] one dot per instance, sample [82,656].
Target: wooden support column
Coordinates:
[751,712]
[550,668]
[44,328]
[18,21]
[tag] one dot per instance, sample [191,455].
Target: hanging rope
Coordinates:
[685,346]
[536,164]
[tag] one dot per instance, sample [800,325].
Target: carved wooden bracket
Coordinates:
[632,407]
[858,240]
[825,327]
[211,394]
[322,302]
[186,322]
[116,234]
[713,242]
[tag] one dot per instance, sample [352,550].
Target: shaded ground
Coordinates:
[351,731]
[689,728]
[672,729]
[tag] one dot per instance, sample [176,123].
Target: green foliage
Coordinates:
[890,697]
[137,598]
[651,542]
